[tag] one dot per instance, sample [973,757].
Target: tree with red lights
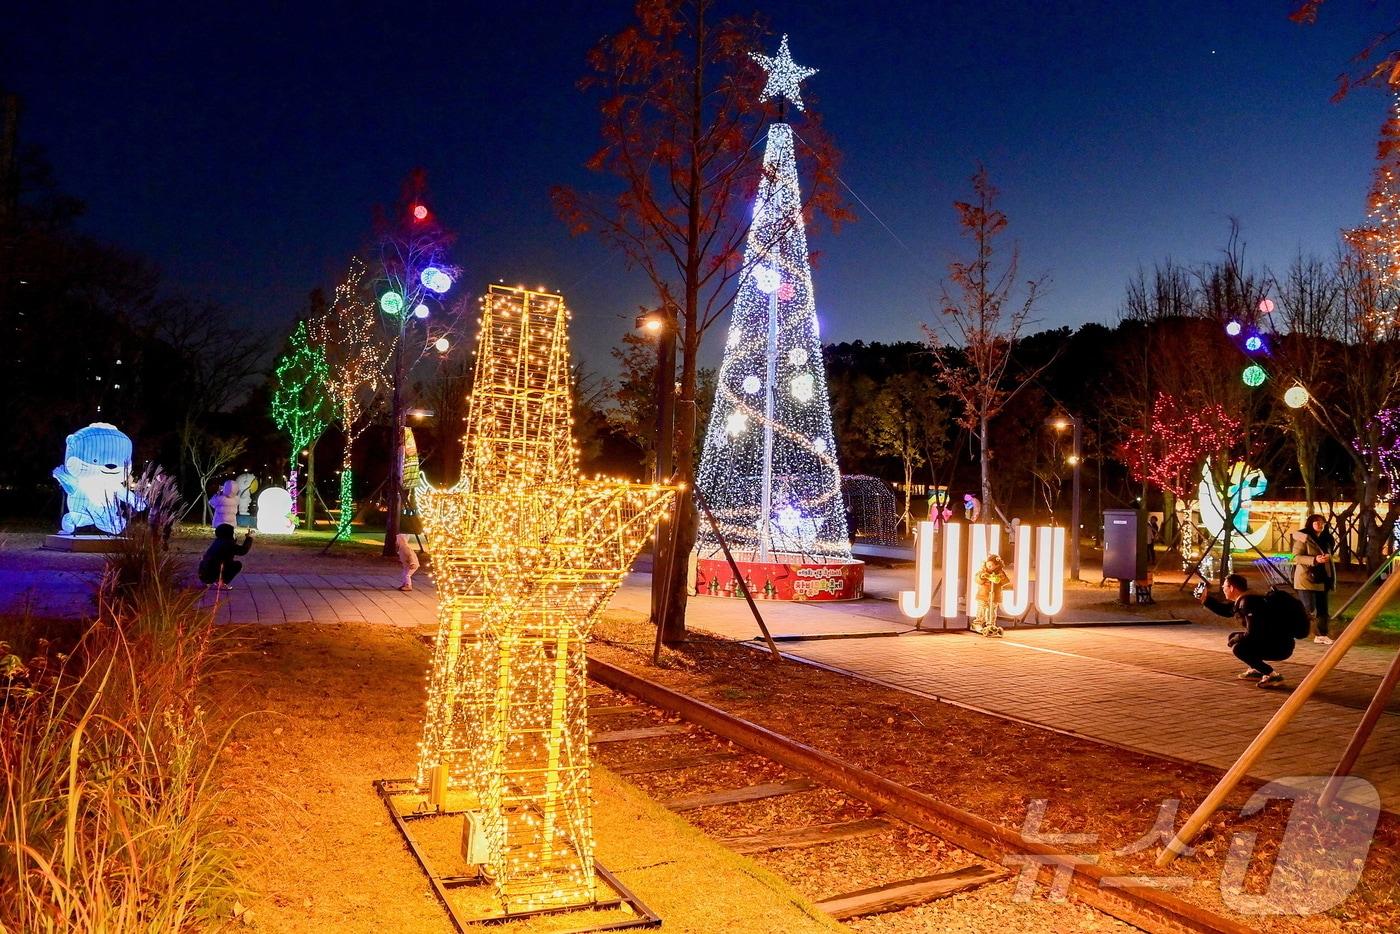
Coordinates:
[1172,450]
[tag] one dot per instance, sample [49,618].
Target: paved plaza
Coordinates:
[1169,690]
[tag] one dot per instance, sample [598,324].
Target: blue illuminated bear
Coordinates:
[96,476]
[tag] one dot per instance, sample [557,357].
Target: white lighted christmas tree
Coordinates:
[769,470]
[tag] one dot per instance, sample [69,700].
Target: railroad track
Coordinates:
[846,803]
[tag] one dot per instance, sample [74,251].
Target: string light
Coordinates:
[1178,438]
[769,452]
[347,333]
[785,76]
[301,405]
[526,554]
[1379,242]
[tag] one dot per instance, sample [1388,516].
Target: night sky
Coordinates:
[244,149]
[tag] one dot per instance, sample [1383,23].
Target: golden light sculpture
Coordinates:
[526,553]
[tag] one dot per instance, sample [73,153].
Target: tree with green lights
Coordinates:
[301,404]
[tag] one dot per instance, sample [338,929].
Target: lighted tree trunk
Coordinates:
[311,486]
[394,488]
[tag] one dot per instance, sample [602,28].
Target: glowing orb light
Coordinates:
[1254,343]
[1266,306]
[391,302]
[736,423]
[420,311]
[786,291]
[420,212]
[802,387]
[767,279]
[435,279]
[1253,375]
[752,384]
[442,344]
[275,511]
[797,356]
[1233,328]
[735,336]
[1296,397]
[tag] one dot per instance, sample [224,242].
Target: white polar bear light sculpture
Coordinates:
[96,476]
[275,511]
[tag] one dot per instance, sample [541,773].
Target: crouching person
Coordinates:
[1262,640]
[219,566]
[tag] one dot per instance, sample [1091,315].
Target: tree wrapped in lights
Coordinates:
[347,334]
[1381,441]
[1378,243]
[768,470]
[1174,447]
[526,554]
[414,274]
[301,404]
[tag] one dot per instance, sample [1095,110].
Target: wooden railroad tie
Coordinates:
[735,795]
[910,892]
[644,732]
[802,837]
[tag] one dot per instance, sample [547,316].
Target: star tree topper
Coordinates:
[785,76]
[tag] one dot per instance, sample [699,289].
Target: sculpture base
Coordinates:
[797,578]
[468,896]
[89,544]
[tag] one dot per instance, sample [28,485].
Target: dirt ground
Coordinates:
[321,711]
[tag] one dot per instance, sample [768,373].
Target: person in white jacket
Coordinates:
[225,505]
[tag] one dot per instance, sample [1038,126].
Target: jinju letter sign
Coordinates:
[962,561]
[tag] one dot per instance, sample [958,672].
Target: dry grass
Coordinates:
[109,817]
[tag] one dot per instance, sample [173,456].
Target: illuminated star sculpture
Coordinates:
[785,76]
[526,553]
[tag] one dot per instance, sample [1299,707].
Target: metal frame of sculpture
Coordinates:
[525,554]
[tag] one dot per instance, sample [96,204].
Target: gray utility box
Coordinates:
[1124,545]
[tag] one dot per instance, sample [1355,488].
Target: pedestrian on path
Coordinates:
[406,547]
[1262,640]
[1314,575]
[219,566]
[225,505]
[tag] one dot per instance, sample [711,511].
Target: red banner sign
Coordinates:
[772,581]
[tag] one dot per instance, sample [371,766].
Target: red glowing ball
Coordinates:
[786,292]
[420,212]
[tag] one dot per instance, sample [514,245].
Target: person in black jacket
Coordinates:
[218,567]
[1261,641]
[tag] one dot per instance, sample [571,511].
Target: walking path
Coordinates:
[1165,690]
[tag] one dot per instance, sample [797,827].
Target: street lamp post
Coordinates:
[1076,460]
[660,324]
